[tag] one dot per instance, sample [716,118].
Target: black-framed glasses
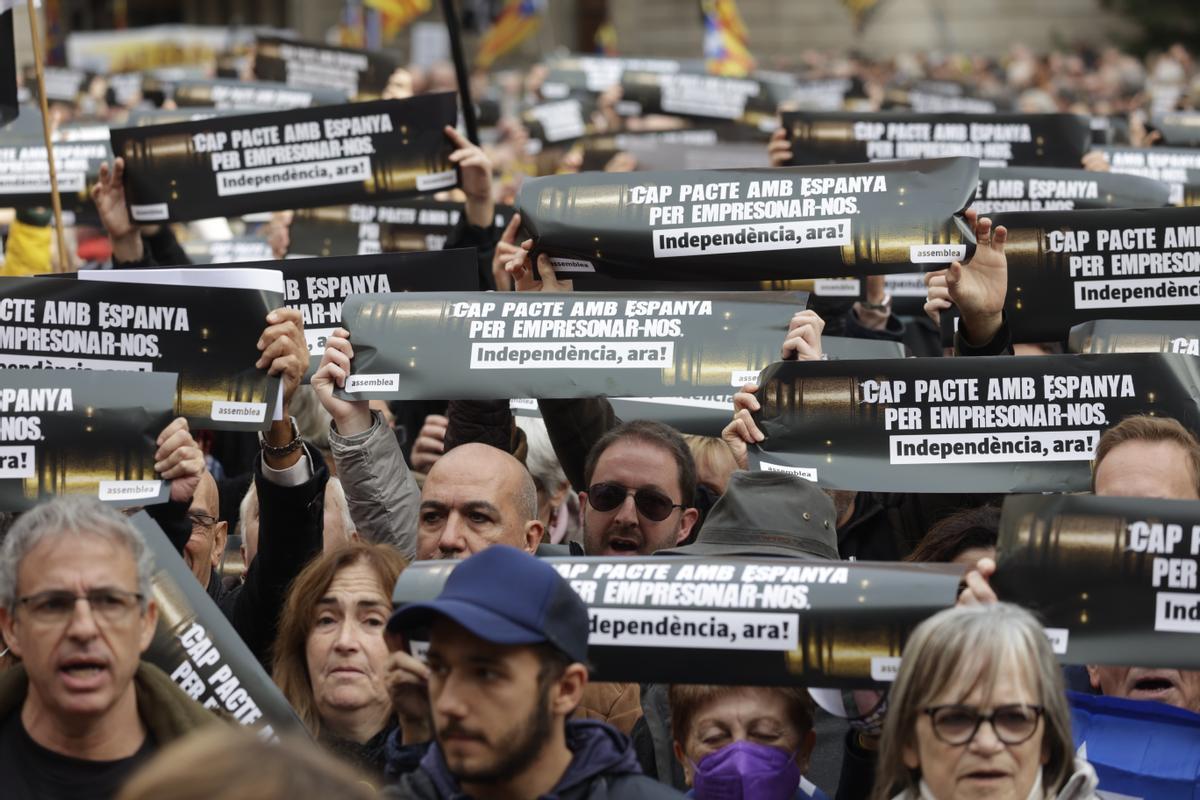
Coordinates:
[202,520]
[651,503]
[57,606]
[958,724]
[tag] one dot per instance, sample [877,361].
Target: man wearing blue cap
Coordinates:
[507,666]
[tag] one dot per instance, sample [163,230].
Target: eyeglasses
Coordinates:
[57,606]
[957,724]
[201,520]
[651,504]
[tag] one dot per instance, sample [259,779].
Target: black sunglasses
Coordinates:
[651,504]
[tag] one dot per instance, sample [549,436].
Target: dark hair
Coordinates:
[957,533]
[658,435]
[1144,428]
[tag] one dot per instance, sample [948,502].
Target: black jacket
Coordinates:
[603,766]
[291,528]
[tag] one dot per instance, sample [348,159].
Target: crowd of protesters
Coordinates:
[300,534]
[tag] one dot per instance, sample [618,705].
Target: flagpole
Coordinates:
[55,201]
[460,68]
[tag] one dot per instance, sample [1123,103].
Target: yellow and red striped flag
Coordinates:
[726,50]
[397,14]
[517,20]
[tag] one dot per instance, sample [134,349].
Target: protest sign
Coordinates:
[1113,579]
[63,84]
[364,229]
[1178,128]
[594,73]
[230,93]
[267,162]
[557,121]
[709,414]
[229,251]
[9,107]
[1004,189]
[1136,336]
[319,287]
[75,432]
[358,74]
[1069,267]
[207,335]
[695,95]
[480,345]
[988,424]
[997,140]
[750,622]
[200,650]
[808,222]
[1178,167]
[25,167]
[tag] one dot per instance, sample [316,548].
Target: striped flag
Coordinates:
[517,20]
[725,39]
[397,14]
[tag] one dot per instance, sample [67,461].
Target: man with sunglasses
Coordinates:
[82,710]
[641,480]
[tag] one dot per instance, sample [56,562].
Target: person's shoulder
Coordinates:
[636,786]
[414,785]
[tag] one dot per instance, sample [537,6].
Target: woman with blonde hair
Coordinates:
[978,710]
[330,656]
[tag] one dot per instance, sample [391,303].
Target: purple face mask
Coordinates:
[747,770]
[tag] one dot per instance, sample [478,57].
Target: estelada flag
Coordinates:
[397,14]
[516,21]
[725,39]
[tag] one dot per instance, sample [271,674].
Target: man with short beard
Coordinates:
[507,660]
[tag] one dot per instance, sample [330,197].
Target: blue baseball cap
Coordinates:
[506,596]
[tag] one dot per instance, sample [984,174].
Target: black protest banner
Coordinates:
[1178,128]
[1003,189]
[207,335]
[792,92]
[267,162]
[926,99]
[1136,336]
[758,622]
[25,168]
[229,93]
[1032,140]
[319,287]
[480,346]
[706,96]
[74,432]
[200,650]
[806,222]
[63,84]
[996,424]
[708,415]
[1068,267]
[359,74]
[365,229]
[229,251]
[557,121]
[592,73]
[9,105]
[1178,167]
[1113,579]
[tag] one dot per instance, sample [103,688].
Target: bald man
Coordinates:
[203,550]
[475,496]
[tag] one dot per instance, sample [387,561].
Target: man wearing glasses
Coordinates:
[82,710]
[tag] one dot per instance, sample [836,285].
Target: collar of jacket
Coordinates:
[166,711]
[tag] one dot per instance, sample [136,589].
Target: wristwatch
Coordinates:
[295,444]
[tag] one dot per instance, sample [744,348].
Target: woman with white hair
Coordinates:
[978,710]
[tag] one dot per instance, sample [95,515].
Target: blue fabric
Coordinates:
[1139,748]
